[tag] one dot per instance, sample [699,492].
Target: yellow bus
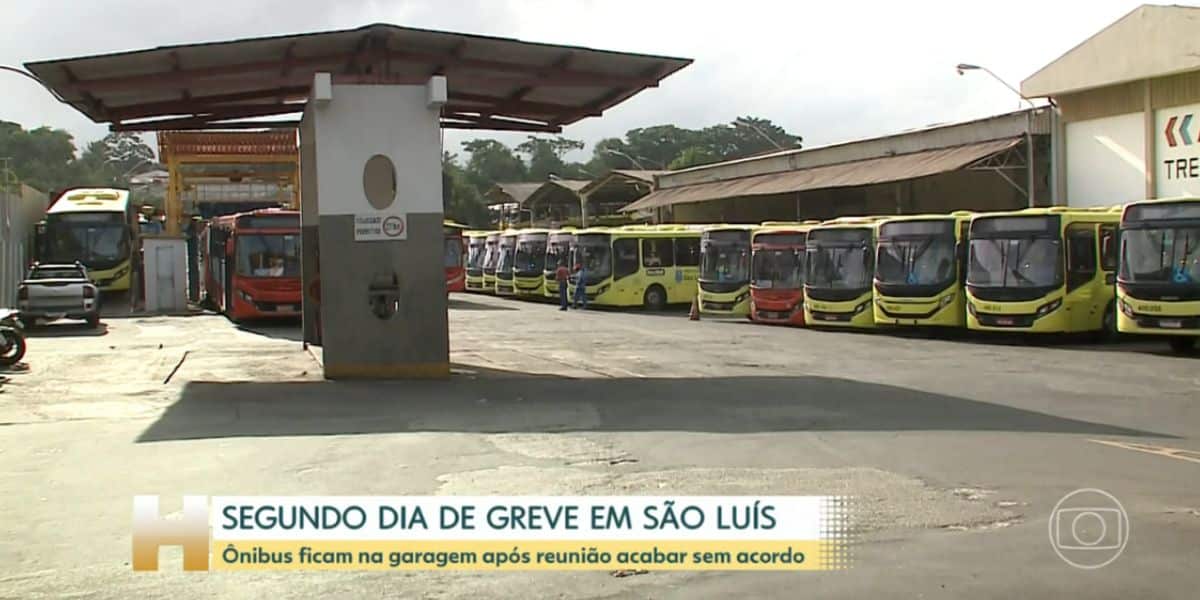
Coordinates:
[558,250]
[529,264]
[97,227]
[1158,283]
[1043,270]
[725,270]
[506,258]
[649,267]
[491,255]
[840,272]
[476,256]
[920,270]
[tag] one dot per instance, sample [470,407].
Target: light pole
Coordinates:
[1030,194]
[631,159]
[742,122]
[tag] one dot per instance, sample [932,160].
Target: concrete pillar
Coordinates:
[372,229]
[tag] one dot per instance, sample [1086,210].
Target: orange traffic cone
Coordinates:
[694,314]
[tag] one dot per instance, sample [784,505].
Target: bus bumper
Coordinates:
[113,280]
[732,304]
[777,310]
[529,287]
[1158,318]
[856,314]
[947,310]
[1035,316]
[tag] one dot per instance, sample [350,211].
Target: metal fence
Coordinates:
[21,207]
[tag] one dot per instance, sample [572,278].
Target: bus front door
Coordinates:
[1082,301]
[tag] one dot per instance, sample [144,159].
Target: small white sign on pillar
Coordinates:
[377,227]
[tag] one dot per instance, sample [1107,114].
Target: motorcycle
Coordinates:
[12,338]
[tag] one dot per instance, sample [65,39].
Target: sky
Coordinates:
[828,71]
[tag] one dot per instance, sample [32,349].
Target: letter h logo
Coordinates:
[151,531]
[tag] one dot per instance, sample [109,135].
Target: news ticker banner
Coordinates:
[494,533]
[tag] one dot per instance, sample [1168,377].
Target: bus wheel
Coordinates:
[655,298]
[1183,344]
[1109,333]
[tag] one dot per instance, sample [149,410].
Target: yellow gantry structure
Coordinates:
[225,159]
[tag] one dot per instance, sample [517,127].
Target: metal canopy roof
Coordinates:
[494,83]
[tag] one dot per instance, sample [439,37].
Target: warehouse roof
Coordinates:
[494,83]
[1151,41]
[849,174]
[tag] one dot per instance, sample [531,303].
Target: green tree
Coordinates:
[546,157]
[43,158]
[461,201]
[490,162]
[112,160]
[694,156]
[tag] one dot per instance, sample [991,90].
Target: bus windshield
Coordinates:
[725,256]
[559,250]
[594,253]
[504,259]
[1016,262]
[268,255]
[491,255]
[475,255]
[1163,256]
[926,261]
[453,254]
[840,259]
[98,240]
[531,256]
[779,263]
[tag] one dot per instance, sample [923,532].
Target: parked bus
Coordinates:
[1158,283]
[250,264]
[529,264]
[456,275]
[506,254]
[558,249]
[97,227]
[725,270]
[490,258]
[476,254]
[777,272]
[630,266]
[920,270]
[1043,270]
[839,273]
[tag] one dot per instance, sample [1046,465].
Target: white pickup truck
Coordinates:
[58,291]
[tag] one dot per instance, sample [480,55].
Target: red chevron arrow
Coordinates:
[1170,131]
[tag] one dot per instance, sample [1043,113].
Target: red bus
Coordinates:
[777,279]
[250,264]
[455,251]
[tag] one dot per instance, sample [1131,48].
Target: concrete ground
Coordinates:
[955,450]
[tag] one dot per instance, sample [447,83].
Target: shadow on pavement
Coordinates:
[461,304]
[282,329]
[479,401]
[66,329]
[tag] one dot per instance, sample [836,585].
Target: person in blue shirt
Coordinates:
[581,286]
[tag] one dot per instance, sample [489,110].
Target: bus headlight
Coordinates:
[1048,308]
[1126,309]
[244,296]
[946,300]
[971,308]
[861,307]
